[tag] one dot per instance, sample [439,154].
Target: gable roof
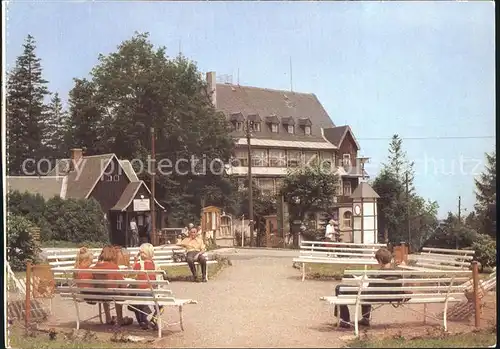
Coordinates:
[89,170]
[129,170]
[336,135]
[232,99]
[365,191]
[46,186]
[129,194]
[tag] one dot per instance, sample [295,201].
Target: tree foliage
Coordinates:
[21,246]
[68,220]
[138,87]
[486,192]
[308,189]
[397,205]
[25,110]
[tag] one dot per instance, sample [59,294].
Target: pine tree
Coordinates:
[84,120]
[55,121]
[26,90]
[486,191]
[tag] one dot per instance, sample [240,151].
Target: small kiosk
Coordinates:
[217,226]
[364,208]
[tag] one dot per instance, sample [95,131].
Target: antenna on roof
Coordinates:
[291,78]
[238,76]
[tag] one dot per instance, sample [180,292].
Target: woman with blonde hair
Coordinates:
[84,259]
[144,261]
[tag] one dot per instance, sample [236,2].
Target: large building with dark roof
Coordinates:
[288,130]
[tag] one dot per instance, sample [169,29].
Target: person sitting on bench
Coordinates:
[383,257]
[195,248]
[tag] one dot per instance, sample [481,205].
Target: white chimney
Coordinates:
[212,87]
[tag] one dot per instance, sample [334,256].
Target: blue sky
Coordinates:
[423,70]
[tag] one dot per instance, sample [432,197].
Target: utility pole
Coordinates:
[459,221]
[408,210]
[153,174]
[250,182]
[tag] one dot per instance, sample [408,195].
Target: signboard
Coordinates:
[141,205]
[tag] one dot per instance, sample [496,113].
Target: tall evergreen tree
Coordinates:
[486,192]
[83,125]
[55,122]
[26,90]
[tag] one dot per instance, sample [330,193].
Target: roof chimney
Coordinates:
[76,155]
[212,87]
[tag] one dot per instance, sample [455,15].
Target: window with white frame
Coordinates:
[256,126]
[346,219]
[326,159]
[266,186]
[119,222]
[238,125]
[241,157]
[277,158]
[259,157]
[293,158]
[346,159]
[290,129]
[310,157]
[307,130]
[274,128]
[347,188]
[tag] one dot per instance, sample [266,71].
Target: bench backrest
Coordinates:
[67,259]
[129,289]
[324,249]
[400,285]
[444,259]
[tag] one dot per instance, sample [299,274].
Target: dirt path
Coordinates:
[261,302]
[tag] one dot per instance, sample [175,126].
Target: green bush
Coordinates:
[71,220]
[20,243]
[485,248]
[30,206]
[78,221]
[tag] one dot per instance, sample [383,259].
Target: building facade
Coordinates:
[288,130]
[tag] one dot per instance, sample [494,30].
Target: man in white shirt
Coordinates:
[135,233]
[330,230]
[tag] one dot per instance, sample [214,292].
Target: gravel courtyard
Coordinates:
[257,302]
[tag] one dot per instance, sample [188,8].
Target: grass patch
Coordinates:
[182,272]
[35,339]
[330,271]
[480,339]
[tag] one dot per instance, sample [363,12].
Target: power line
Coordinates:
[423,138]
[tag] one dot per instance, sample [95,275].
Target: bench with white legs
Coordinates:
[322,252]
[165,256]
[441,259]
[399,288]
[125,292]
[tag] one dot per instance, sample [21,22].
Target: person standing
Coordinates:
[195,248]
[149,228]
[134,233]
[330,230]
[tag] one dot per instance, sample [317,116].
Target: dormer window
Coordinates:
[273,123]
[305,124]
[255,122]
[237,120]
[288,124]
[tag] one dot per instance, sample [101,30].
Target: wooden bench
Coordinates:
[157,295]
[323,252]
[416,287]
[164,257]
[441,259]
